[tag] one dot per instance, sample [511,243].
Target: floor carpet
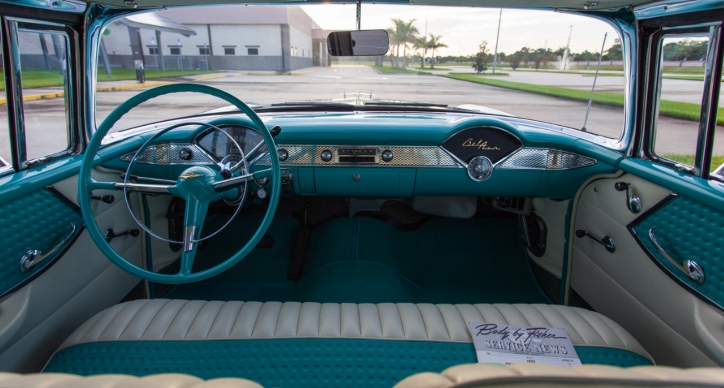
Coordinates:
[365,260]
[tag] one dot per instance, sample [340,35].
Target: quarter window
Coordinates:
[681,87]
[42,58]
[5,150]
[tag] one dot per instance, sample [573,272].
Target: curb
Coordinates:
[131,86]
[47,96]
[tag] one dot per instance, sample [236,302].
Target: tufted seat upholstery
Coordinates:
[396,340]
[537,375]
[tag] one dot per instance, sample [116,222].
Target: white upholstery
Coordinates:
[536,375]
[62,380]
[162,319]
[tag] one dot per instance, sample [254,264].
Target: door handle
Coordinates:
[689,267]
[34,256]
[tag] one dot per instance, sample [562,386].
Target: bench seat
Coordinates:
[313,344]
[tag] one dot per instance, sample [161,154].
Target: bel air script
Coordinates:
[482,145]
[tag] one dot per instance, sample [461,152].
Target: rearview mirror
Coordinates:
[358,42]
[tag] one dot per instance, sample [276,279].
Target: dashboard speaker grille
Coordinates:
[545,159]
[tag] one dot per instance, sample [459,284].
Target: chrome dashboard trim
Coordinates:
[168,154]
[405,156]
[544,159]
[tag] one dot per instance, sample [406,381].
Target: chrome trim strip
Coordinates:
[411,156]
[34,256]
[169,155]
[690,268]
[544,159]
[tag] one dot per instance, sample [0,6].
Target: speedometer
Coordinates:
[219,146]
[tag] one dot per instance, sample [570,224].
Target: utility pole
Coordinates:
[568,50]
[495,56]
[424,39]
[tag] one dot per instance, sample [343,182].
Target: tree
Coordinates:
[514,60]
[408,35]
[615,52]
[434,43]
[480,61]
[402,33]
[421,44]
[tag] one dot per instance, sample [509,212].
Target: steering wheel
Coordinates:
[198,185]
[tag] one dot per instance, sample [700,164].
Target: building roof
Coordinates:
[155,21]
[293,15]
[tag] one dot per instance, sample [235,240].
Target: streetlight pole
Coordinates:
[568,50]
[495,56]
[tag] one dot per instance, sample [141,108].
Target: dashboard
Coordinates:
[385,155]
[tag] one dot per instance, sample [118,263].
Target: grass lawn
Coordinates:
[682,110]
[716,160]
[34,78]
[437,68]
[683,70]
[389,70]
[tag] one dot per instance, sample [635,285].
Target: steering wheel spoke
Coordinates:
[145,188]
[194,216]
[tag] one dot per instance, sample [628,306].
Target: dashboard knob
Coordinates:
[283,154]
[185,154]
[326,155]
[387,155]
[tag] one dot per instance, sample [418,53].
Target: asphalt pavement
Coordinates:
[45,115]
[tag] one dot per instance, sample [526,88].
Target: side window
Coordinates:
[42,61]
[716,168]
[682,68]
[5,150]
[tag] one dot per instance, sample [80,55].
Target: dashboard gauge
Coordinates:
[219,146]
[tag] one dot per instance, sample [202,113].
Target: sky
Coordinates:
[463,29]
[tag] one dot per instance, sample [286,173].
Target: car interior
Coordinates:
[350,241]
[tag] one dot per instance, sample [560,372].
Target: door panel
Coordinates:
[37,318]
[686,230]
[39,222]
[674,325]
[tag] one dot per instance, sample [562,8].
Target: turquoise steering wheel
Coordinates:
[198,185]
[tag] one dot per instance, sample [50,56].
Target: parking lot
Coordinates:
[336,82]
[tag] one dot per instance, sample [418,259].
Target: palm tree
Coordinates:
[434,43]
[407,35]
[421,44]
[396,38]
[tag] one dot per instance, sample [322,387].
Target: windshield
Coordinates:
[538,65]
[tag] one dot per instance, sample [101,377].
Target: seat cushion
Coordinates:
[61,380]
[537,375]
[294,344]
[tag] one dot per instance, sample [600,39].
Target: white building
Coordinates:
[220,38]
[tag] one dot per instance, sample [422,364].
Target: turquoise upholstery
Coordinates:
[290,362]
[688,230]
[39,221]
